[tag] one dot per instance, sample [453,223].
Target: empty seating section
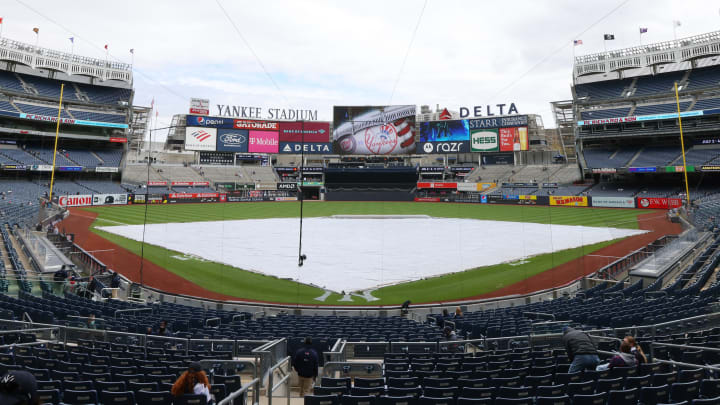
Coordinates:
[21,156]
[697,156]
[656,156]
[97,116]
[48,87]
[6,106]
[183,189]
[602,90]
[603,157]
[612,190]
[110,157]
[103,187]
[605,113]
[657,84]
[105,94]
[46,155]
[703,78]
[660,108]
[41,110]
[707,104]
[84,158]
[10,82]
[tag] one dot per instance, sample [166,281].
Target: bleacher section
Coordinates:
[96,116]
[707,104]
[602,90]
[656,156]
[607,113]
[41,110]
[111,158]
[657,84]
[660,108]
[51,88]
[703,78]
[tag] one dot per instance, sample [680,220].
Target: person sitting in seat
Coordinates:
[623,359]
[192,381]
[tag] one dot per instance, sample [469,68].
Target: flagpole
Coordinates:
[605,44]
[674,31]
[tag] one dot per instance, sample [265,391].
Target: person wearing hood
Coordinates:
[580,350]
[625,358]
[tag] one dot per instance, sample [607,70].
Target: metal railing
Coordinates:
[352,369]
[122,311]
[284,379]
[242,392]
[268,355]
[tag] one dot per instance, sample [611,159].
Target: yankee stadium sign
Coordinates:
[238,111]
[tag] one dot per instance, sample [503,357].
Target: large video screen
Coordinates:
[374,130]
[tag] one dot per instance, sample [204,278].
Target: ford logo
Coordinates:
[233,139]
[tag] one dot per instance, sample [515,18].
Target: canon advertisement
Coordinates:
[374,130]
[75,200]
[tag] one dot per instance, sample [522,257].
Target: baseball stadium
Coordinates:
[412,254]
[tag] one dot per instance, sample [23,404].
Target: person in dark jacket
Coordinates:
[305,362]
[580,350]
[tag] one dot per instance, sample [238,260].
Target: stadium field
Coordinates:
[230,282]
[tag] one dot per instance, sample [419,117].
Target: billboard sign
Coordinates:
[106,169]
[484,140]
[613,202]
[195,197]
[658,203]
[75,200]
[571,201]
[213,122]
[109,199]
[287,186]
[305,132]
[497,159]
[452,186]
[200,106]
[374,130]
[499,122]
[263,142]
[232,140]
[444,131]
[307,147]
[443,147]
[513,139]
[604,170]
[642,169]
[652,117]
[197,138]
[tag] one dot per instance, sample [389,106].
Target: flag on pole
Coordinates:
[643,30]
[577,42]
[676,23]
[106,47]
[152,103]
[36,30]
[609,37]
[72,39]
[132,51]
[0,20]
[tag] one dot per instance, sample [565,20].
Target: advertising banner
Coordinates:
[484,140]
[156,183]
[659,203]
[514,199]
[468,187]
[149,199]
[109,199]
[75,200]
[427,199]
[197,138]
[432,169]
[497,159]
[266,186]
[651,117]
[71,121]
[118,140]
[200,106]
[318,132]
[679,169]
[174,198]
[256,125]
[498,122]
[642,169]
[437,185]
[443,147]
[41,168]
[444,131]
[710,168]
[513,139]
[69,168]
[286,198]
[374,130]
[571,201]
[232,140]
[604,170]
[249,196]
[263,142]
[313,148]
[213,122]
[287,186]
[14,167]
[103,169]
[612,202]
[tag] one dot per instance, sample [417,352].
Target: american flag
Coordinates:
[577,42]
[200,135]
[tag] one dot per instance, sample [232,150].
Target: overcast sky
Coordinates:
[325,53]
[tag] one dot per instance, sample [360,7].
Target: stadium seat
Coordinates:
[559,400]
[423,400]
[590,399]
[390,400]
[609,384]
[705,401]
[49,396]
[358,400]
[550,390]
[709,388]
[232,382]
[637,382]
[474,401]
[78,385]
[191,399]
[73,397]
[623,397]
[117,398]
[330,390]
[367,391]
[110,386]
[335,382]
[690,375]
[475,393]
[444,392]
[513,401]
[513,392]
[153,398]
[660,379]
[684,391]
[581,388]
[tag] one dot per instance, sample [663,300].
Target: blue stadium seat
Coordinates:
[513,401]
[192,399]
[117,397]
[684,391]
[623,397]
[590,399]
[474,401]
[390,400]
[358,400]
[559,400]
[154,398]
[49,396]
[73,397]
[423,400]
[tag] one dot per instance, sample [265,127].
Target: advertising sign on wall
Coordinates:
[573,200]
[263,142]
[200,106]
[104,169]
[287,186]
[513,139]
[659,203]
[443,131]
[613,202]
[307,147]
[484,140]
[75,200]
[374,130]
[195,197]
[642,169]
[197,138]
[437,185]
[443,147]
[109,199]
[305,132]
[232,140]
[497,159]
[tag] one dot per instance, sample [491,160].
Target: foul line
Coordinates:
[101,219]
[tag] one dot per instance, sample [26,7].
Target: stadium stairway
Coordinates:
[635,156]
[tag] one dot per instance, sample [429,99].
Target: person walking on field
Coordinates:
[580,350]
[306,362]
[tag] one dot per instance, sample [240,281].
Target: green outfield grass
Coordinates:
[249,285]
